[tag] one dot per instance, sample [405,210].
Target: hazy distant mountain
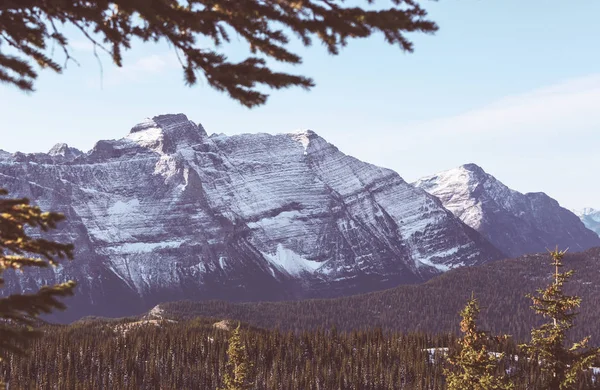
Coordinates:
[590,218]
[169,212]
[515,223]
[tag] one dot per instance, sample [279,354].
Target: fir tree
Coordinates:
[559,364]
[32,27]
[237,376]
[473,367]
[18,250]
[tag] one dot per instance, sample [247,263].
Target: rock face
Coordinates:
[515,223]
[590,218]
[169,213]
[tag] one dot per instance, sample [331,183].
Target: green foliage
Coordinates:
[30,26]
[560,365]
[473,367]
[18,250]
[238,375]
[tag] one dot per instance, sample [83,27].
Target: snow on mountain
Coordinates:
[515,223]
[590,218]
[168,212]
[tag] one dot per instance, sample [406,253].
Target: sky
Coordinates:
[511,85]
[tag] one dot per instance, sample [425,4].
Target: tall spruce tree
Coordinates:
[559,364]
[238,366]
[31,28]
[472,366]
[19,250]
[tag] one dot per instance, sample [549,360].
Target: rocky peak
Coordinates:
[467,175]
[162,134]
[515,223]
[474,174]
[304,137]
[64,150]
[169,124]
[474,168]
[166,132]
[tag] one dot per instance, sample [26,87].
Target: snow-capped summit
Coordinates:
[167,131]
[169,213]
[515,223]
[590,218]
[175,125]
[162,135]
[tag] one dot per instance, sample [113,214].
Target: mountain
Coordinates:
[433,307]
[515,223]
[168,213]
[590,218]
[65,151]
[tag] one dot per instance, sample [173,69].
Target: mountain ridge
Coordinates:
[168,212]
[515,223]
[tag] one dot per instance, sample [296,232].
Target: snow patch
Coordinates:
[146,137]
[303,137]
[124,207]
[144,247]
[427,261]
[291,262]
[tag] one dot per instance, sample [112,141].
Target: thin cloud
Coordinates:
[571,105]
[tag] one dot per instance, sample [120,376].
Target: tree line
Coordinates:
[501,288]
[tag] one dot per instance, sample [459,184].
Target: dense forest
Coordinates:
[191,354]
[432,307]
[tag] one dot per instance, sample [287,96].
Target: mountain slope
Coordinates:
[169,212]
[590,218]
[515,223]
[500,287]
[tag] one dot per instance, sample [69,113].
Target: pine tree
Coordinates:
[18,312]
[473,367]
[559,364]
[32,27]
[237,376]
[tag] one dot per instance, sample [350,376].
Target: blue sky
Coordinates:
[511,85]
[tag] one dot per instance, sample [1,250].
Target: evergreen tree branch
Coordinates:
[18,250]
[30,25]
